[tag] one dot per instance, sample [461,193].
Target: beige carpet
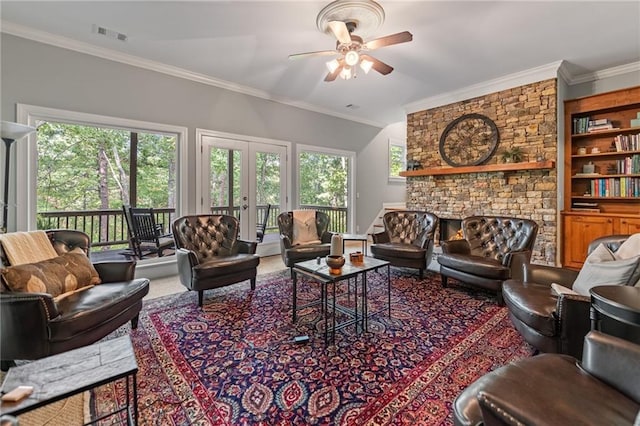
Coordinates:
[74,410]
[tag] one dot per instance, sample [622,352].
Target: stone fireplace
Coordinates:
[526,117]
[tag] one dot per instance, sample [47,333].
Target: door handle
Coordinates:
[244,207]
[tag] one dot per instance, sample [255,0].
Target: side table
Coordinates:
[356,237]
[620,303]
[60,376]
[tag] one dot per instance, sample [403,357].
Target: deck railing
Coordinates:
[108,228]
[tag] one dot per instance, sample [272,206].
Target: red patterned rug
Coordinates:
[233,362]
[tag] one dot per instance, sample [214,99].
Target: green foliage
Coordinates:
[88,168]
[323,179]
[396,160]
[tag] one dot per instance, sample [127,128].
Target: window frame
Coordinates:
[26,154]
[351,184]
[393,142]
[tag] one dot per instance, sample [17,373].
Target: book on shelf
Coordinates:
[584,204]
[581,174]
[627,142]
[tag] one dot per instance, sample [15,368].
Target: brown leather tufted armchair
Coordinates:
[297,253]
[34,326]
[407,239]
[493,250]
[210,255]
[548,322]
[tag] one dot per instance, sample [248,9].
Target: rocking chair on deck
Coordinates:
[261,228]
[145,235]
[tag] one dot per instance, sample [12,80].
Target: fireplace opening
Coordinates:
[449,228]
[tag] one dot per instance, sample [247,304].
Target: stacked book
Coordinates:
[584,206]
[600,124]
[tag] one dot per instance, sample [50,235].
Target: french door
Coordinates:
[242,178]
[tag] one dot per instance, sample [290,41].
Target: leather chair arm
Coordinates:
[186,260]
[456,247]
[572,312]
[112,272]
[497,411]
[380,237]
[248,247]
[285,242]
[614,361]
[24,320]
[516,260]
[543,274]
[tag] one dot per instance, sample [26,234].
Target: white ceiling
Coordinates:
[455,44]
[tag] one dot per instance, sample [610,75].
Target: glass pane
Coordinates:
[225,181]
[324,186]
[85,174]
[268,183]
[396,160]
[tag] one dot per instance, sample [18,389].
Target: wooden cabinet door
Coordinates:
[579,231]
[629,225]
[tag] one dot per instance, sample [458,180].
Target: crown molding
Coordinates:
[521,78]
[606,73]
[112,55]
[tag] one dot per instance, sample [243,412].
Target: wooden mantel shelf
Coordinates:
[503,167]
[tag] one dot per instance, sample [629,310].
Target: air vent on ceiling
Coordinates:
[109,33]
[352,106]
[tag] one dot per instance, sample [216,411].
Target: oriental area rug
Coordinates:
[234,362]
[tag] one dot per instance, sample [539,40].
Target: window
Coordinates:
[86,167]
[325,180]
[397,159]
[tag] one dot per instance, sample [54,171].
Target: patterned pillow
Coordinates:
[61,274]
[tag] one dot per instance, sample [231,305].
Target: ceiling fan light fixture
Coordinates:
[366,65]
[345,74]
[351,58]
[333,65]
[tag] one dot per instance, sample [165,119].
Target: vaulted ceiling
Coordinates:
[245,45]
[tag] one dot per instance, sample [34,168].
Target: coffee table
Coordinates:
[318,270]
[61,376]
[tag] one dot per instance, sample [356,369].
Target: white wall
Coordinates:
[608,84]
[372,173]
[38,74]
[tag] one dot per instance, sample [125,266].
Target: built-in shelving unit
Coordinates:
[602,178]
[503,167]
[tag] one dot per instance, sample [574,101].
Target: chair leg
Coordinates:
[291,272]
[444,281]
[200,297]
[421,273]
[253,283]
[500,298]
[134,322]
[6,364]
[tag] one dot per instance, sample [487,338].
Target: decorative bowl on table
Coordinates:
[335,264]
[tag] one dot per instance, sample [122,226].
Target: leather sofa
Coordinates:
[407,239]
[549,322]
[291,253]
[493,250]
[33,325]
[210,254]
[554,389]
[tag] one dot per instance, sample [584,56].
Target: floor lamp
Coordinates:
[10,133]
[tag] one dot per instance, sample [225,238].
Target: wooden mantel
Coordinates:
[502,167]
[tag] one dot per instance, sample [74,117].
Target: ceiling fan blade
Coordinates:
[402,37]
[333,75]
[340,30]
[378,65]
[318,53]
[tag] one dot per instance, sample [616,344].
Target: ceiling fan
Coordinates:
[352,51]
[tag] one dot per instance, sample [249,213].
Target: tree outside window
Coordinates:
[397,159]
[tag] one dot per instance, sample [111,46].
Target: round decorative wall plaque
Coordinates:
[469,140]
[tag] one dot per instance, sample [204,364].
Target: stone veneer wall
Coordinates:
[525,116]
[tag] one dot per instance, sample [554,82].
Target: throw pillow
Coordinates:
[304,227]
[600,268]
[56,276]
[630,248]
